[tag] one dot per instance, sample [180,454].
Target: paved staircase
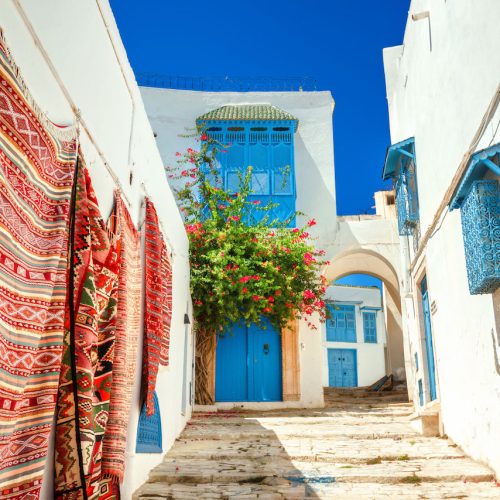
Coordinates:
[360,447]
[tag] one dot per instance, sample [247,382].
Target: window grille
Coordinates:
[370,327]
[478,198]
[481,232]
[407,197]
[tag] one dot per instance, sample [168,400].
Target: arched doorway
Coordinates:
[359,261]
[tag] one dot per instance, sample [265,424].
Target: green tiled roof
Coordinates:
[264,112]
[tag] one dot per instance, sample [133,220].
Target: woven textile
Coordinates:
[158,305]
[126,343]
[88,351]
[37,161]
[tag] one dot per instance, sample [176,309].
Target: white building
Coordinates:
[354,338]
[443,95]
[71,57]
[354,244]
[308,148]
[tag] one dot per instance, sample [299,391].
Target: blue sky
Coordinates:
[337,43]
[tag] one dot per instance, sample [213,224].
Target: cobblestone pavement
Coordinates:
[356,449]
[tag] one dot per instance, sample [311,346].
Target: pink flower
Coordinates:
[198,302]
[267,310]
[177,154]
[256,202]
[270,299]
[245,290]
[235,218]
[304,235]
[244,279]
[295,230]
[222,207]
[256,297]
[184,173]
[204,137]
[308,294]
[312,223]
[256,277]
[308,259]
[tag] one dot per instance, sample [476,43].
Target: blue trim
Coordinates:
[370,327]
[269,151]
[370,308]
[342,367]
[149,435]
[341,327]
[393,155]
[479,164]
[429,343]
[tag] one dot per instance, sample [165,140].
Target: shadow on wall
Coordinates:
[233,454]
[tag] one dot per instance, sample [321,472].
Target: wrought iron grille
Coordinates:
[227,83]
[407,197]
[481,232]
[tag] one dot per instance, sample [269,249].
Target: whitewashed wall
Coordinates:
[173,112]
[74,36]
[370,357]
[439,85]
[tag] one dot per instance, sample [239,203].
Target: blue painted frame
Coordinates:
[246,138]
[336,369]
[370,327]
[149,434]
[400,165]
[478,199]
[337,326]
[429,343]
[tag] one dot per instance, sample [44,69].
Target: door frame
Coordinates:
[250,390]
[355,364]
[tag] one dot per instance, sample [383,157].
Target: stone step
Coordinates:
[337,491]
[245,430]
[243,470]
[340,417]
[332,450]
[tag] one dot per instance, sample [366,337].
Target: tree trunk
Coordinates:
[205,367]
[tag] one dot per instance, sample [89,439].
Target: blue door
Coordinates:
[248,364]
[342,368]
[431,371]
[231,365]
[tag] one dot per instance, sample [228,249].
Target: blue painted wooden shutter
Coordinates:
[370,327]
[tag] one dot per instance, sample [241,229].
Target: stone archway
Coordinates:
[357,260]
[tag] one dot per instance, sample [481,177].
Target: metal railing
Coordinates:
[226,83]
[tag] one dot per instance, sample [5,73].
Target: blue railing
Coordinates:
[227,83]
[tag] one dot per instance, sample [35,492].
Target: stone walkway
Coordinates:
[356,449]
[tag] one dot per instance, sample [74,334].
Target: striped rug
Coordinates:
[37,161]
[158,305]
[126,343]
[88,352]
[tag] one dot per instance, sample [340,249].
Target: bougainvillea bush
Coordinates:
[244,264]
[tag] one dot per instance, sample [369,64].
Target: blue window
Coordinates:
[149,437]
[370,327]
[420,392]
[341,327]
[478,198]
[260,136]
[400,166]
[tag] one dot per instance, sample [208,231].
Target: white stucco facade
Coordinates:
[173,112]
[370,357]
[440,83]
[77,42]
